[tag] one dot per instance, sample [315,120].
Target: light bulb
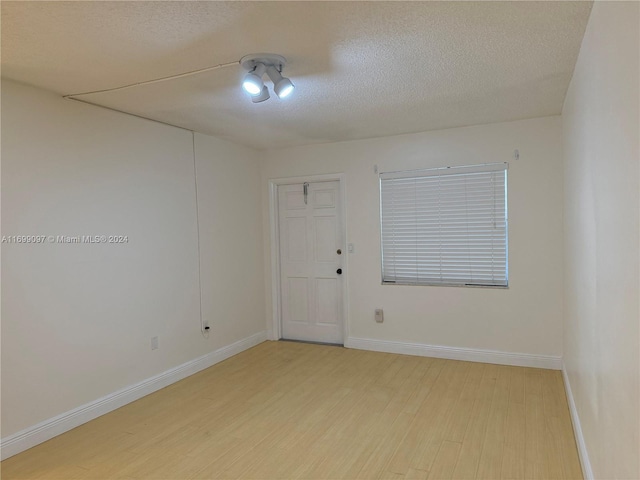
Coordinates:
[252,82]
[281,85]
[284,88]
[264,95]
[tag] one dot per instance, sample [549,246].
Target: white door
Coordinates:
[311,261]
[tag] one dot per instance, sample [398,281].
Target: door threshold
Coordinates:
[311,342]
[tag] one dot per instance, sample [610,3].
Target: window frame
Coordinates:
[502,166]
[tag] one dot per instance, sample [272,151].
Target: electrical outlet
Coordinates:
[379,315]
[154,343]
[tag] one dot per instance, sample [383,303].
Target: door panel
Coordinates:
[296,239]
[310,232]
[324,198]
[295,201]
[298,302]
[325,241]
[327,304]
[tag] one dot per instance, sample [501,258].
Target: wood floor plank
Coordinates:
[516,385]
[514,452]
[386,447]
[285,410]
[445,461]
[473,441]
[490,464]
[460,415]
[439,410]
[425,385]
[513,458]
[414,474]
[535,433]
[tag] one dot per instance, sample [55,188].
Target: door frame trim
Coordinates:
[275,330]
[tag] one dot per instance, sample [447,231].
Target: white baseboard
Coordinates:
[455,353]
[577,429]
[52,427]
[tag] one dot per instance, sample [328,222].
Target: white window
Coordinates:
[445,226]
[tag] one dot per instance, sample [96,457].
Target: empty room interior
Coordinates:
[320,240]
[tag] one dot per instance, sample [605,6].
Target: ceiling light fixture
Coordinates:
[257,65]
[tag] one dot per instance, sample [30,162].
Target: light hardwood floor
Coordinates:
[293,410]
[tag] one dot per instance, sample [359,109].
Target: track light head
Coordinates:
[281,85]
[252,82]
[284,88]
[264,95]
[257,65]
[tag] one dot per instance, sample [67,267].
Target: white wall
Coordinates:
[601,156]
[230,238]
[526,318]
[77,319]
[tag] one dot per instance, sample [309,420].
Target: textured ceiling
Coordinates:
[362,69]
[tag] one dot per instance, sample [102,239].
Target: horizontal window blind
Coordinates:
[445,226]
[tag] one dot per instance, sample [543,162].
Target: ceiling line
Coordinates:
[69,97]
[156,80]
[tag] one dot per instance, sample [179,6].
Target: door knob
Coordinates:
[339,271]
[339,252]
